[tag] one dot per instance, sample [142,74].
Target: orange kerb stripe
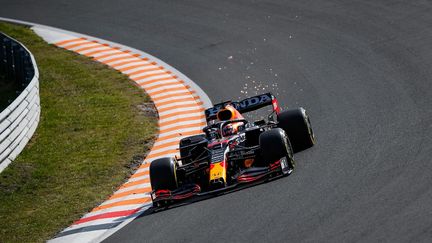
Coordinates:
[68,47]
[145,76]
[165,145]
[68,41]
[158,79]
[198,104]
[131,192]
[198,124]
[88,48]
[123,203]
[153,155]
[144,173]
[170,96]
[181,113]
[175,100]
[92,53]
[168,81]
[148,75]
[200,117]
[138,79]
[193,98]
[197,98]
[119,58]
[166,90]
[134,183]
[110,54]
[142,166]
[189,133]
[130,61]
[133,66]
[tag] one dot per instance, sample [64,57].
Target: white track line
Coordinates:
[54,35]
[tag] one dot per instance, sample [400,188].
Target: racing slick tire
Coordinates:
[297,126]
[163,174]
[275,145]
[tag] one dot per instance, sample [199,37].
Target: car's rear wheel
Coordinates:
[297,125]
[163,174]
[275,145]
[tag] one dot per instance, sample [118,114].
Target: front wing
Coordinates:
[163,198]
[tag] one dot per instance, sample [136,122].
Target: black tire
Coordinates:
[297,126]
[275,145]
[163,174]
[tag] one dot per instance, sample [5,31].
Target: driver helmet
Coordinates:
[228,130]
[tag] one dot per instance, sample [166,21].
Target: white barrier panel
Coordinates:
[19,120]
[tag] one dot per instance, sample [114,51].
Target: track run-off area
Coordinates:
[362,69]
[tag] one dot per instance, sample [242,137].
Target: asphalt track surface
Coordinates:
[363,70]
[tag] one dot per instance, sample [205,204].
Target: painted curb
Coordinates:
[180,104]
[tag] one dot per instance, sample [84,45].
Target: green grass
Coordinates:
[88,141]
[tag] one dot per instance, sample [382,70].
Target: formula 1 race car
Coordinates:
[232,151]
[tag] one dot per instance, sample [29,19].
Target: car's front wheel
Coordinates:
[163,174]
[275,146]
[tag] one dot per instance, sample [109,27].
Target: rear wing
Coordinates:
[246,105]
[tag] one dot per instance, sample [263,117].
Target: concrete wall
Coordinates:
[19,120]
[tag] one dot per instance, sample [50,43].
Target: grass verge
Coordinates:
[91,133]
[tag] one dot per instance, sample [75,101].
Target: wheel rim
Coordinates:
[310,131]
[284,166]
[309,126]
